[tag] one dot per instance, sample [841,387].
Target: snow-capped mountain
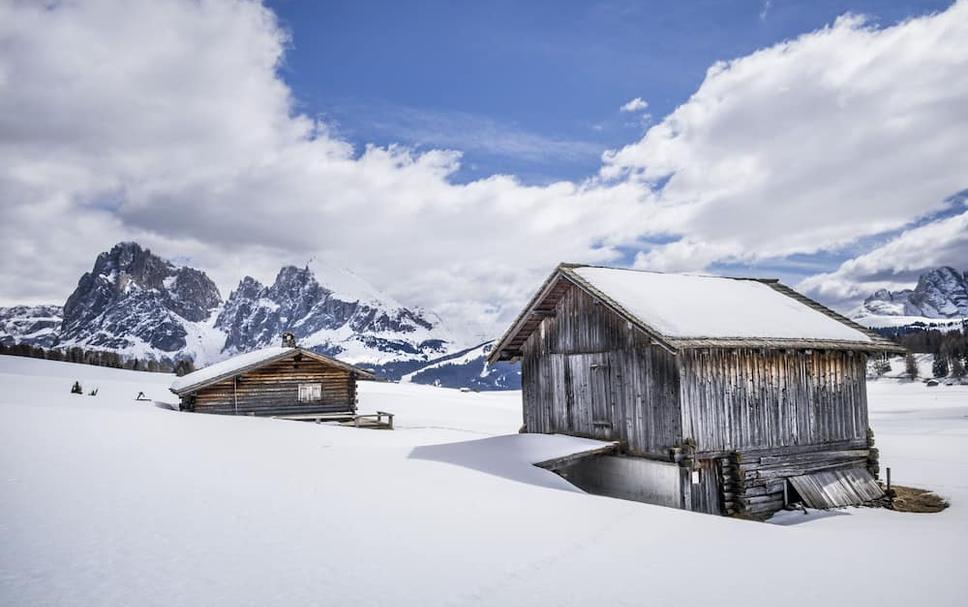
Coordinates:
[33,325]
[941,293]
[139,305]
[345,318]
[468,369]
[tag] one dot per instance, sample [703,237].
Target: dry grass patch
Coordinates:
[909,499]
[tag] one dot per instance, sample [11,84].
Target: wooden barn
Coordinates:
[725,395]
[277,381]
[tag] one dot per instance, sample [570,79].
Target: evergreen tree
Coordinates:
[940,366]
[957,368]
[881,366]
[910,366]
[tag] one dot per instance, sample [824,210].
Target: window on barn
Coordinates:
[309,393]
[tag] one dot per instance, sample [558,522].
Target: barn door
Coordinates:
[591,407]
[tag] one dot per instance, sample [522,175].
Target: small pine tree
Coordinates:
[910,366]
[957,368]
[940,366]
[882,366]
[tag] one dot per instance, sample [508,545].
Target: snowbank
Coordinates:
[110,501]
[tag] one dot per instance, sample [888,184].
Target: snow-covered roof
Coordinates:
[691,310]
[250,360]
[688,305]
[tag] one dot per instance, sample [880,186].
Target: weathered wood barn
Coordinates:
[278,381]
[726,395]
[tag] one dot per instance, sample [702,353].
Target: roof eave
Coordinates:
[673,345]
[542,292]
[566,271]
[787,344]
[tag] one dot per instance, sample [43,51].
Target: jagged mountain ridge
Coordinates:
[34,325]
[135,303]
[370,331]
[940,293]
[139,305]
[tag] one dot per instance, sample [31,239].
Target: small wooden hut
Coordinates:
[726,395]
[277,381]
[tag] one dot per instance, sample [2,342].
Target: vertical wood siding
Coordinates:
[754,417]
[274,389]
[751,399]
[586,372]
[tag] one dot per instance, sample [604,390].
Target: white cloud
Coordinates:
[168,123]
[843,133]
[635,105]
[897,263]
[475,133]
[765,10]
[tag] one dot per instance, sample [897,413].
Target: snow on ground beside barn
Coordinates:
[106,500]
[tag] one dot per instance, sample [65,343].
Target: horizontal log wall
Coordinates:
[755,482]
[734,400]
[587,372]
[274,390]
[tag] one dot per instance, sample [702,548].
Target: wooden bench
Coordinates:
[374,420]
[379,420]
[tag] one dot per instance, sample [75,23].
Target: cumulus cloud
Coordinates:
[635,105]
[897,263]
[840,134]
[168,123]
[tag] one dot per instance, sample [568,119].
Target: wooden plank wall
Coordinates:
[757,417]
[754,481]
[274,389]
[706,495]
[587,372]
[734,400]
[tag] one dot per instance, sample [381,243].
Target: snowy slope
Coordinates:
[874,321]
[32,325]
[111,501]
[468,369]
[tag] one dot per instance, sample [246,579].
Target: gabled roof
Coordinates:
[242,363]
[681,311]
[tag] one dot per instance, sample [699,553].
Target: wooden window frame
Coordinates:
[315,393]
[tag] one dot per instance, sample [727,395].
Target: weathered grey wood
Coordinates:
[837,488]
[586,373]
[748,418]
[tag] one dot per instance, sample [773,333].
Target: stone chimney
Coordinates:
[288,340]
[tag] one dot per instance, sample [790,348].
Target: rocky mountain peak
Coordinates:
[326,319]
[939,293]
[133,298]
[139,305]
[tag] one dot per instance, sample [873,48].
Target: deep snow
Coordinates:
[110,501]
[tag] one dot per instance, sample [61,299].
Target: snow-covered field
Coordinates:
[106,500]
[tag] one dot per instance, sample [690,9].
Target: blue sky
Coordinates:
[826,150]
[531,89]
